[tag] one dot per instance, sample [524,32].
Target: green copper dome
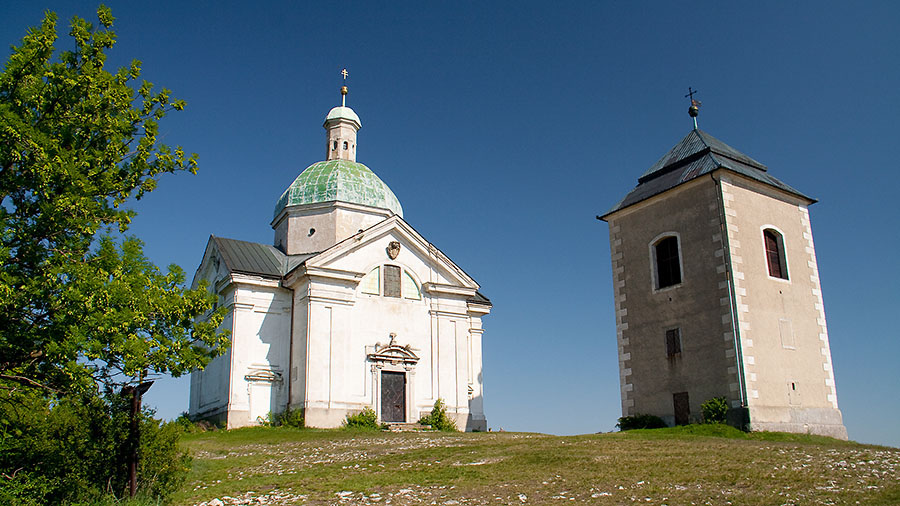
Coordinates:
[339,180]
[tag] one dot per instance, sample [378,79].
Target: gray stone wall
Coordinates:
[699,306]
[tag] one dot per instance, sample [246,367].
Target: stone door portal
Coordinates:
[393,396]
[682,408]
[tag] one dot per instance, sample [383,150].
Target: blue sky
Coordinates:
[504,128]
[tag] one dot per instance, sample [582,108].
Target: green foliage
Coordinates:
[74,450]
[185,423]
[438,419]
[366,419]
[715,410]
[291,418]
[77,143]
[640,422]
[287,418]
[82,309]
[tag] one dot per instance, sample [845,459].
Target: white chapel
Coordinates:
[349,308]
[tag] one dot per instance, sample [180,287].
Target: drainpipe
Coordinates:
[732,297]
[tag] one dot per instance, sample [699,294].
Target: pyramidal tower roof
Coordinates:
[697,154]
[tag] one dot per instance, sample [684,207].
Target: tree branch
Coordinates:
[28,381]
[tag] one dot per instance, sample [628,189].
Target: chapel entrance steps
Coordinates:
[407,427]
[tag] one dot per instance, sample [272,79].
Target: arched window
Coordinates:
[345,145]
[371,283]
[395,282]
[409,288]
[775,259]
[668,263]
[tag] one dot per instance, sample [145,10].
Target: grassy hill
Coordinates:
[686,465]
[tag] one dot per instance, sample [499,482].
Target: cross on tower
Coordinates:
[694,109]
[344,88]
[690,94]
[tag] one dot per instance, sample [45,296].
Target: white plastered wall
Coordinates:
[344,325]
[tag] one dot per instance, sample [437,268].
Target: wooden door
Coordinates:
[393,396]
[682,408]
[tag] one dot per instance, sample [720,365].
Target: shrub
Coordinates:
[640,422]
[291,418]
[366,419]
[438,418]
[187,425]
[715,410]
[72,450]
[163,467]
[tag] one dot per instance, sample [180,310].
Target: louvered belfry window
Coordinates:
[775,254]
[391,281]
[668,268]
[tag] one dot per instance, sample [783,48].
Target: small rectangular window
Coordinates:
[391,281]
[673,342]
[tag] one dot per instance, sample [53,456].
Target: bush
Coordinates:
[715,410]
[438,418]
[287,418]
[291,418]
[187,425]
[366,419]
[69,450]
[163,466]
[640,422]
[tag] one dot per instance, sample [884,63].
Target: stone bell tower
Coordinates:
[717,294]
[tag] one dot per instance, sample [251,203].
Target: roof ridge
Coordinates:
[676,164]
[729,151]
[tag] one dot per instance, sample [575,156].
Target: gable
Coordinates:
[359,253]
[210,268]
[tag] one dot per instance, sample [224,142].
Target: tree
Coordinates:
[82,309]
[80,304]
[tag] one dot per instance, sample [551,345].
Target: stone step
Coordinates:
[408,427]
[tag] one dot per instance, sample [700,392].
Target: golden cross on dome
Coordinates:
[344,88]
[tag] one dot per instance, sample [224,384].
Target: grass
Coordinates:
[683,465]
